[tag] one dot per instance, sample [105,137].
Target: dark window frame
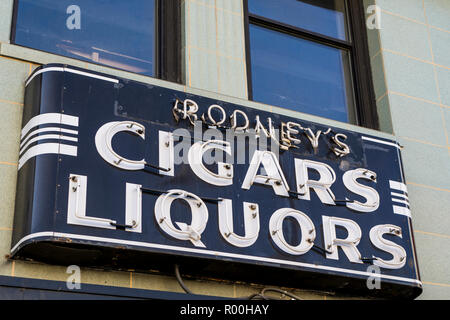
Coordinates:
[167,53]
[356,45]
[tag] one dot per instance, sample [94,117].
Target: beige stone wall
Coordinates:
[411,67]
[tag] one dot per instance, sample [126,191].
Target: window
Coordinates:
[121,34]
[311,56]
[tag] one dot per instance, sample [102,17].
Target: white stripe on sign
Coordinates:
[47,148]
[49,118]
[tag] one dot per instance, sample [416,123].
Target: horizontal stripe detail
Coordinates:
[48,118]
[47,148]
[49,129]
[402,210]
[398,186]
[47,137]
[405,202]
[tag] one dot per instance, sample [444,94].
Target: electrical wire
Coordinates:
[262,295]
[180,280]
[291,295]
[256,296]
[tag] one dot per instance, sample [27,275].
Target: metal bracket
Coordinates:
[122,226]
[147,165]
[342,203]
[294,194]
[320,249]
[368,260]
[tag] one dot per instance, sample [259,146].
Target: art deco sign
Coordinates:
[116,173]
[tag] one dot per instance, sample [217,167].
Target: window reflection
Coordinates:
[326,17]
[116,33]
[301,75]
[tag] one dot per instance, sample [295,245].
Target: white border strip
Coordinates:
[61,69]
[58,69]
[32,236]
[382,142]
[208,252]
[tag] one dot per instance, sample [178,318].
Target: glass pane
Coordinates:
[301,75]
[116,33]
[326,17]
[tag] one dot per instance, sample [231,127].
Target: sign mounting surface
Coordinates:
[135,170]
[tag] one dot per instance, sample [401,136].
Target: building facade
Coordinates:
[406,84]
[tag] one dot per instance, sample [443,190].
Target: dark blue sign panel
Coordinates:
[117,173]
